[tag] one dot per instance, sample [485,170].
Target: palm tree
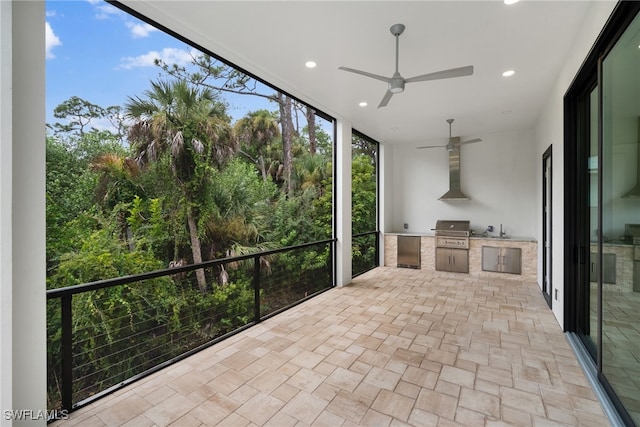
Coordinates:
[188,124]
[310,172]
[256,131]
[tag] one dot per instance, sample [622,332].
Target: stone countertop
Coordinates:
[475,237]
[406,233]
[505,239]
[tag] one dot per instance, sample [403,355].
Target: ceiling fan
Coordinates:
[454,142]
[397,82]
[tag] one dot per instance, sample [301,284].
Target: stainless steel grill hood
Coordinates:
[454,193]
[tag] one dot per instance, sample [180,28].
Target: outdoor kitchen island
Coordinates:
[528,248]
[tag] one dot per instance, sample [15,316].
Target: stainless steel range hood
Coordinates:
[454,193]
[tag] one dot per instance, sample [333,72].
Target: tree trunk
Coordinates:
[195,248]
[311,126]
[263,169]
[287,140]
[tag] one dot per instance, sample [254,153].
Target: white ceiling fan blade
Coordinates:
[471,141]
[385,100]
[432,146]
[444,74]
[364,73]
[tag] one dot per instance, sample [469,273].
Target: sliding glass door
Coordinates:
[620,217]
[602,209]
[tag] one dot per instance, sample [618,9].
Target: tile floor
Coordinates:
[396,347]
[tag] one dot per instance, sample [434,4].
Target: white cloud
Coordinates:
[105,10]
[169,55]
[51,40]
[140,30]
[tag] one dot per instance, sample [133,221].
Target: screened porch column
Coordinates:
[343,203]
[23,374]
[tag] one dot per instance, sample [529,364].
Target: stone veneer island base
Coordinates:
[529,248]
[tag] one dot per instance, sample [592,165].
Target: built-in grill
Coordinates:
[452,246]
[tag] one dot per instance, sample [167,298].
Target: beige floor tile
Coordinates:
[307,379]
[457,376]
[305,407]
[382,378]
[345,379]
[398,347]
[260,408]
[470,418]
[480,402]
[187,420]
[170,410]
[124,411]
[281,420]
[437,403]
[393,404]
[349,406]
[527,402]
[89,421]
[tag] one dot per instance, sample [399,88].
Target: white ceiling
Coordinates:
[273,40]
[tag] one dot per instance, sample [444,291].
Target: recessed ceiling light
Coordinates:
[510,2]
[363,104]
[310,64]
[508,73]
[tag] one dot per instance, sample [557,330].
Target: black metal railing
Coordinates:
[106,334]
[364,252]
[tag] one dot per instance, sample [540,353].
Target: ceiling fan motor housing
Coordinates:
[396,85]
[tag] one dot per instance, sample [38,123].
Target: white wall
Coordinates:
[497,174]
[343,203]
[22,210]
[549,131]
[6,400]
[385,199]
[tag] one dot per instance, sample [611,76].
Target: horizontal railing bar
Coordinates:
[123,280]
[368,233]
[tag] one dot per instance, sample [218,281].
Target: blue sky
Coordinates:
[102,55]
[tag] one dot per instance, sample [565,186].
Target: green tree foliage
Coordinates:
[188,125]
[257,133]
[363,203]
[363,194]
[178,181]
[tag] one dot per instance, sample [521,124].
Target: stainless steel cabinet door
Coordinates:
[511,260]
[442,259]
[409,251]
[502,260]
[490,258]
[459,260]
[454,260]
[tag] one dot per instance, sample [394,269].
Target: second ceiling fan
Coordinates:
[397,82]
[454,143]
